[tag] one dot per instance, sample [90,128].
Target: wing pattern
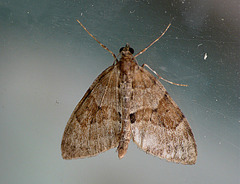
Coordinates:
[158,125]
[94,125]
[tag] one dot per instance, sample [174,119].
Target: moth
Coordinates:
[127,102]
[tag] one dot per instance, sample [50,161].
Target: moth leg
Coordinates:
[163,78]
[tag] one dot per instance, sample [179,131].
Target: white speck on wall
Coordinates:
[205,56]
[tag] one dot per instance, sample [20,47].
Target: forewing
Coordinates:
[158,125]
[94,125]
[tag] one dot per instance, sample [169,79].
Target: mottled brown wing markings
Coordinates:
[94,124]
[160,127]
[126,101]
[145,90]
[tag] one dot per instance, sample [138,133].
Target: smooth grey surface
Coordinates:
[47,62]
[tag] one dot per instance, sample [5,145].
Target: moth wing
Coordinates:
[158,125]
[94,125]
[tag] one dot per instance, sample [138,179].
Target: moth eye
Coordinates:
[131,50]
[121,49]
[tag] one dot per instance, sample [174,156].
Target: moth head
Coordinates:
[126,50]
